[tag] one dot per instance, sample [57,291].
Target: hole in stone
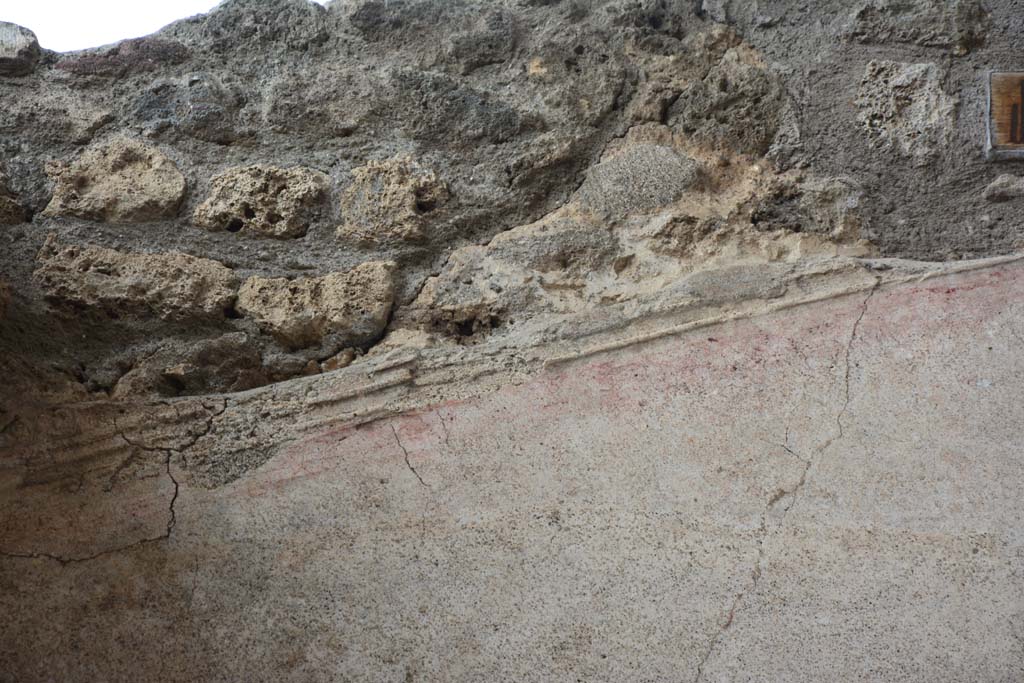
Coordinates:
[235,225]
[465,328]
[248,212]
[469,331]
[175,384]
[424,204]
[231,313]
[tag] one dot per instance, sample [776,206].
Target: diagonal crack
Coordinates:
[406,454]
[846,371]
[792,493]
[755,572]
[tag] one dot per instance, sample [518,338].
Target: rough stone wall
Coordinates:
[482,171]
[513,340]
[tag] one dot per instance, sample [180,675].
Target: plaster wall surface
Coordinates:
[827,492]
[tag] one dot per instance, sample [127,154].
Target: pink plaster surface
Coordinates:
[831,492]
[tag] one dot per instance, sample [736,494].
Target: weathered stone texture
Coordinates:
[561,245]
[11,211]
[338,361]
[339,309]
[640,178]
[122,181]
[1004,188]
[263,201]
[957,24]
[903,107]
[512,340]
[390,201]
[130,56]
[826,206]
[231,362]
[488,40]
[19,50]
[171,286]
[739,104]
[198,105]
[525,166]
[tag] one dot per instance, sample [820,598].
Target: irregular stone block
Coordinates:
[325,103]
[379,21]
[1004,188]
[448,112]
[904,108]
[682,75]
[492,40]
[469,299]
[259,27]
[19,50]
[825,206]
[677,235]
[578,78]
[122,181]
[522,272]
[563,245]
[640,178]
[172,286]
[337,310]
[264,201]
[63,115]
[198,104]
[390,201]
[959,24]
[130,56]
[230,362]
[739,105]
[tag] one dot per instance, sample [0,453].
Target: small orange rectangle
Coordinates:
[1006,112]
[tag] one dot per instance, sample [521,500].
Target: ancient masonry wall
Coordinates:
[513,340]
[278,188]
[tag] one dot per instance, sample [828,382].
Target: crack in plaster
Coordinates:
[169,455]
[793,493]
[64,561]
[846,374]
[755,573]
[406,454]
